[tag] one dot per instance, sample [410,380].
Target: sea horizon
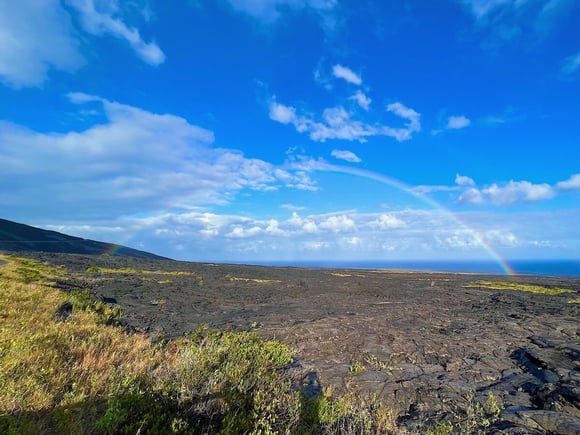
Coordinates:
[562,268]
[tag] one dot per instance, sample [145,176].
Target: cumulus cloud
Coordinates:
[457,122]
[105,18]
[463,180]
[572,183]
[471,196]
[35,36]
[387,221]
[39,36]
[508,194]
[337,123]
[361,99]
[346,155]
[517,191]
[133,161]
[406,234]
[345,73]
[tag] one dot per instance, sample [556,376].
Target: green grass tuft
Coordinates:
[508,285]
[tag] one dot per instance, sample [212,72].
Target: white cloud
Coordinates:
[337,224]
[457,122]
[387,221]
[134,161]
[413,125]
[100,18]
[337,123]
[398,235]
[35,36]
[471,196]
[268,11]
[345,73]
[508,194]
[463,180]
[516,191]
[432,188]
[361,99]
[346,155]
[501,237]
[572,183]
[571,64]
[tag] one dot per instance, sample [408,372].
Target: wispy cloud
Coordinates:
[345,155]
[571,64]
[337,123]
[345,73]
[269,11]
[361,99]
[133,161]
[28,52]
[457,122]
[100,18]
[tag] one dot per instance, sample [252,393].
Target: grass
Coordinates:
[230,277]
[507,285]
[83,374]
[93,270]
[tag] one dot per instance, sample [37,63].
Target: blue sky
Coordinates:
[295,130]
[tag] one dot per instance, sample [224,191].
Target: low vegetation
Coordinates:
[508,285]
[94,270]
[67,367]
[230,277]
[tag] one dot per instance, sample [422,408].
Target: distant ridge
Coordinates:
[21,237]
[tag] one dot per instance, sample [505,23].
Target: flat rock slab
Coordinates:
[422,341]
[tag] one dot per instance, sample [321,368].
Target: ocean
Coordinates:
[564,268]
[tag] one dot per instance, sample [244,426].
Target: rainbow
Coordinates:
[380,178]
[112,249]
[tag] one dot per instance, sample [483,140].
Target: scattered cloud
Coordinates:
[571,64]
[361,99]
[398,235]
[346,155]
[508,194]
[572,183]
[505,20]
[471,196]
[105,18]
[463,180]
[426,189]
[134,161]
[337,123]
[269,11]
[293,207]
[345,73]
[457,122]
[35,37]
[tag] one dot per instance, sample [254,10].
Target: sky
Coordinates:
[295,130]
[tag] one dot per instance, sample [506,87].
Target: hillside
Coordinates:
[18,237]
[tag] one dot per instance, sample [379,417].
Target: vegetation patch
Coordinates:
[79,373]
[130,271]
[507,285]
[230,277]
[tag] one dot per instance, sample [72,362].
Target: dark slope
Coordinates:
[20,237]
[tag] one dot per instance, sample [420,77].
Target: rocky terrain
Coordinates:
[432,345]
